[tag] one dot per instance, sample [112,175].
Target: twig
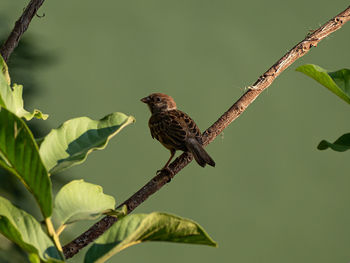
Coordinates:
[54,236]
[20,27]
[209,135]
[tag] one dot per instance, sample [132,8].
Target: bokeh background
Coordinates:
[273,197]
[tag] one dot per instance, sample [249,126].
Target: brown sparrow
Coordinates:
[175,129]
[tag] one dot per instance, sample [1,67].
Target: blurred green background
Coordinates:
[273,197]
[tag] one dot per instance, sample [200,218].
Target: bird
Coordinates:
[174,129]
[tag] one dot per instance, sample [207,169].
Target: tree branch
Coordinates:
[20,27]
[209,135]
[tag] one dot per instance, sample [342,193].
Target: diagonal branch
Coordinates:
[209,135]
[20,27]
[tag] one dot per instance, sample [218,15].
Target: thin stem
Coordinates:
[54,236]
[264,81]
[20,27]
[60,229]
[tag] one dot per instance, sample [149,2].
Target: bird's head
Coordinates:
[158,102]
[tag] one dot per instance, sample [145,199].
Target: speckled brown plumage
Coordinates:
[174,129]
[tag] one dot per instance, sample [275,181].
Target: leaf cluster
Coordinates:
[337,82]
[34,160]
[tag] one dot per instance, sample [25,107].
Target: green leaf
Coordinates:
[4,72]
[337,82]
[137,228]
[79,200]
[11,98]
[33,258]
[70,144]
[119,212]
[19,154]
[24,230]
[342,144]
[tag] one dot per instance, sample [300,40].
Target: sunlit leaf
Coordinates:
[19,155]
[33,258]
[79,200]
[11,97]
[338,82]
[24,230]
[5,79]
[137,228]
[70,144]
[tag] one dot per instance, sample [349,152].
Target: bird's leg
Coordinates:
[172,153]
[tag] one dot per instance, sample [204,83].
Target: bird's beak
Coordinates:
[145,100]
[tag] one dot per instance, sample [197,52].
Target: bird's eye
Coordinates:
[157,99]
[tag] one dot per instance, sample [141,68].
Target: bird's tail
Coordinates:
[198,152]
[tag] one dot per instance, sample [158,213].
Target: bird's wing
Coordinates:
[190,126]
[173,128]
